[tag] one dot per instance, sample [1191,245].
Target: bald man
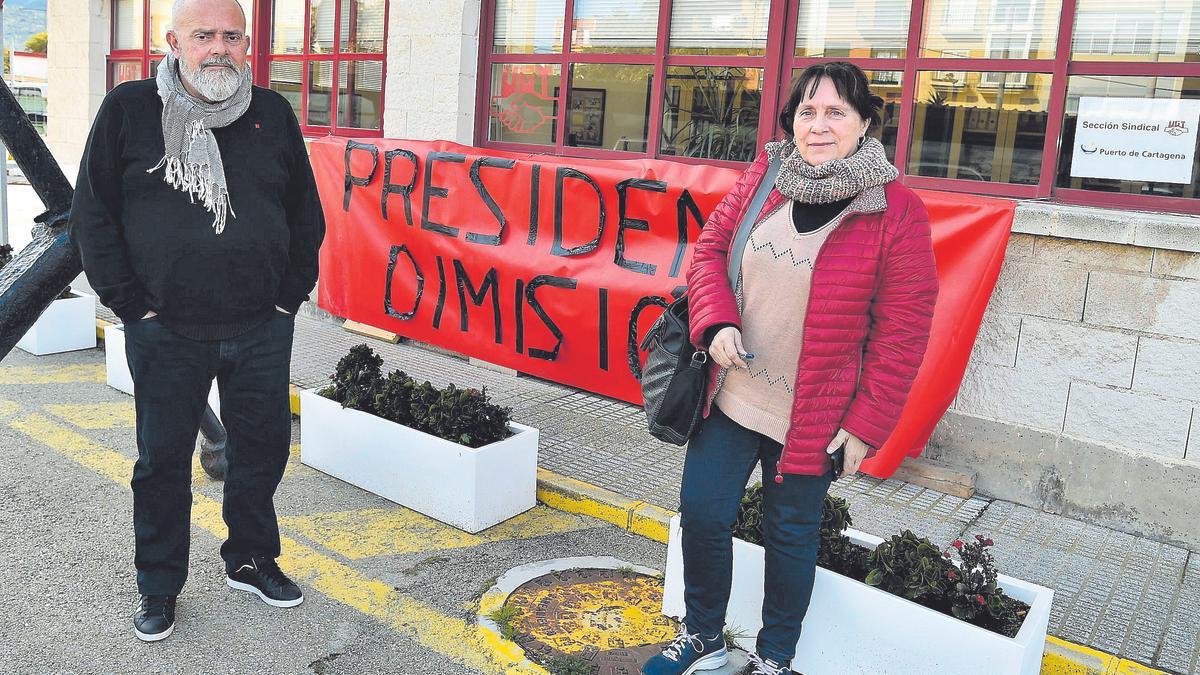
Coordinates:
[197,218]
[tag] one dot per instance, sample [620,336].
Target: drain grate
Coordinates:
[611,619]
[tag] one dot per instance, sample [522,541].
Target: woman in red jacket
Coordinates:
[817,345]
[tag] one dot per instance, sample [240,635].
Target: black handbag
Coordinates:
[675,377]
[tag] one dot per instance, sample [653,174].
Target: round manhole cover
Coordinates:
[610,619]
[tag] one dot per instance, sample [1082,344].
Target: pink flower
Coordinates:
[989,542]
[952,575]
[957,544]
[980,599]
[947,554]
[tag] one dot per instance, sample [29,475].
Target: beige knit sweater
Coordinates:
[777,267]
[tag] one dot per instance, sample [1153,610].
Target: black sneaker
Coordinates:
[262,577]
[155,617]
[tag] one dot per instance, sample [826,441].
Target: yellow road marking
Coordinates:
[373,532]
[9,408]
[459,640]
[51,374]
[119,415]
[104,461]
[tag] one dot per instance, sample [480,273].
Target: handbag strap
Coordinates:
[747,223]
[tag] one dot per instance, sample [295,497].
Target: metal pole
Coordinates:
[4,153]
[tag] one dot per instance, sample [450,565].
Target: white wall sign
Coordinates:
[1145,139]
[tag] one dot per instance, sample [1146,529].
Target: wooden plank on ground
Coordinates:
[935,476]
[370,331]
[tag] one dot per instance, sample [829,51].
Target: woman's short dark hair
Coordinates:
[850,82]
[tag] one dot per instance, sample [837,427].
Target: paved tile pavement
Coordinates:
[1122,594]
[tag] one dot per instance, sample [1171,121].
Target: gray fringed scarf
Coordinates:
[834,180]
[193,161]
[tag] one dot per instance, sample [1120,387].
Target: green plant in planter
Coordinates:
[464,416]
[356,379]
[837,553]
[393,400]
[973,591]
[748,526]
[911,567]
[461,415]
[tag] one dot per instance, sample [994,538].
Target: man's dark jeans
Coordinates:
[719,462]
[171,379]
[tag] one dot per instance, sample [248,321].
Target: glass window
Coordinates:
[287,78]
[287,27]
[842,28]
[360,94]
[160,23]
[719,27]
[1155,30]
[125,71]
[524,103]
[529,26]
[991,29]
[712,112]
[321,26]
[362,26]
[1164,89]
[615,26]
[127,24]
[320,93]
[609,106]
[980,126]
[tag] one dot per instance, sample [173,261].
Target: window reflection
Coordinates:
[712,112]
[991,29]
[980,126]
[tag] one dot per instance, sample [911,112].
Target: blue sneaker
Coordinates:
[688,653]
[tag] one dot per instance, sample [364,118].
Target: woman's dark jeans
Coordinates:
[719,462]
[171,378]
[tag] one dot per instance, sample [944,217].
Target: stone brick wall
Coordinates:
[76,62]
[1096,340]
[433,58]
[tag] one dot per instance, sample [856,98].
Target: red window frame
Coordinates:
[777,64]
[337,58]
[260,59]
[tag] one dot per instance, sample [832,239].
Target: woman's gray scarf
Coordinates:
[193,161]
[834,180]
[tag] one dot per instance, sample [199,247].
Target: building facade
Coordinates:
[1083,395]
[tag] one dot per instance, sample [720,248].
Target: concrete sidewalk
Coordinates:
[1127,596]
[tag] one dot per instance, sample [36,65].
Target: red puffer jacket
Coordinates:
[874,286]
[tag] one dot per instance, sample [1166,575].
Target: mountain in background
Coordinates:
[23,19]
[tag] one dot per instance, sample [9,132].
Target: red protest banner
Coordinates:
[556,266]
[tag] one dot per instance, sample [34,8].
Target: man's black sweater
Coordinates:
[146,246]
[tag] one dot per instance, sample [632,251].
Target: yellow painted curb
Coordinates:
[101,324]
[294,399]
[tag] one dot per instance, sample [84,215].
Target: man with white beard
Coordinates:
[197,218]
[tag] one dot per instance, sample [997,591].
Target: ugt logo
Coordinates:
[524,96]
[1176,128]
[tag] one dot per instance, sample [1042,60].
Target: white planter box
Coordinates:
[469,488]
[66,325]
[854,628]
[116,366]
